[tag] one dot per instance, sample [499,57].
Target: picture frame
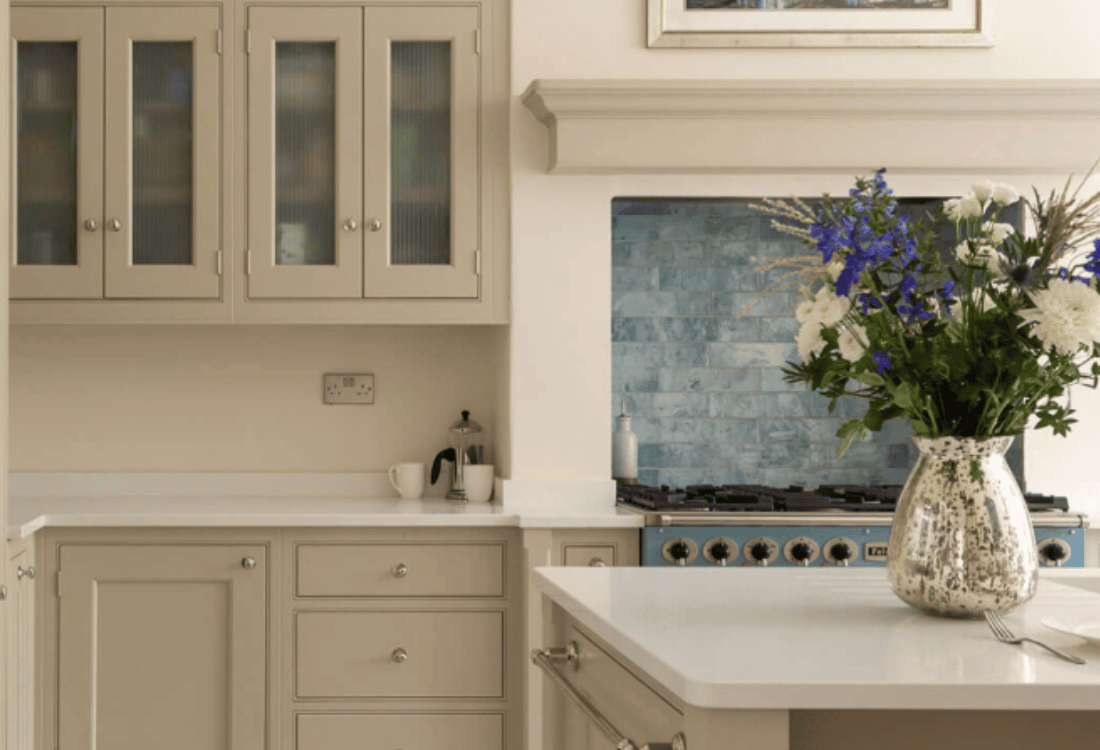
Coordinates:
[791,23]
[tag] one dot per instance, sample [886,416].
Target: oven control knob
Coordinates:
[760,552]
[679,551]
[840,551]
[721,552]
[1053,552]
[801,551]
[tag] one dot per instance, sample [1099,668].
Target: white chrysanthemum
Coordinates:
[851,342]
[1004,195]
[982,190]
[831,309]
[982,255]
[951,208]
[1067,315]
[804,310]
[997,232]
[809,340]
[970,207]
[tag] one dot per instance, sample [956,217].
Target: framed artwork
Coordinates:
[817,23]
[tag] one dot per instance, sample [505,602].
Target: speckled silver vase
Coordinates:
[962,541]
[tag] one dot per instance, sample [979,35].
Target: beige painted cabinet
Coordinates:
[118,153]
[19,655]
[403,636]
[161,645]
[364,152]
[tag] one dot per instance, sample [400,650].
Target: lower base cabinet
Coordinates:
[405,731]
[20,583]
[161,646]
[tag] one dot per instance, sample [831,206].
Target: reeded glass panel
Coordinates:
[46,153]
[162,131]
[305,153]
[420,153]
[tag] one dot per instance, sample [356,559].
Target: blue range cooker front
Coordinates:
[811,539]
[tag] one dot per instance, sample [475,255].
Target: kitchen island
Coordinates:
[815,658]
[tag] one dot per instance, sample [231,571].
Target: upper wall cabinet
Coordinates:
[118,153]
[364,152]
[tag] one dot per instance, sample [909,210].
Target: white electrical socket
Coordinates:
[349,389]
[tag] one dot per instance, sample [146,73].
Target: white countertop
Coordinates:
[828,638]
[274,500]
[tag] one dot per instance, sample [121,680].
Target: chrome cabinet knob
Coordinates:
[351,225]
[91,225]
[375,225]
[19,573]
[114,225]
[400,655]
[248,563]
[596,562]
[30,571]
[3,593]
[400,570]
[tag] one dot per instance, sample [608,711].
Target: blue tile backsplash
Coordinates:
[704,388]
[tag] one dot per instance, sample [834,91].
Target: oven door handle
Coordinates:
[545,659]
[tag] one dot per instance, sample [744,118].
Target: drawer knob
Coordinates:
[19,573]
[3,593]
[114,225]
[596,562]
[374,225]
[400,570]
[91,225]
[30,571]
[248,563]
[400,655]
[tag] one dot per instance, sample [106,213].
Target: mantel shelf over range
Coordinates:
[721,126]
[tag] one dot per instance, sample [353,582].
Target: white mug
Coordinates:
[478,481]
[408,480]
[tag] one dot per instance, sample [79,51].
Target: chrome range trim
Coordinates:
[826,518]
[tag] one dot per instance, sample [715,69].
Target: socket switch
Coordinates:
[349,389]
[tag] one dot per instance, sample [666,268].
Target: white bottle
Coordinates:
[624,451]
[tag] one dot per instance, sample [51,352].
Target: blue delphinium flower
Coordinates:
[882,361]
[1092,262]
[829,239]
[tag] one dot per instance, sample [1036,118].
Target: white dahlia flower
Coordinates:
[1066,314]
[970,207]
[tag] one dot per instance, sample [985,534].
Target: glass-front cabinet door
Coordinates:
[162,216]
[422,208]
[305,152]
[57,169]
[363,152]
[118,153]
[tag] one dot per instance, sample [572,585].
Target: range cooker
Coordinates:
[841,525]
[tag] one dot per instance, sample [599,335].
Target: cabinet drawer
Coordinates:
[627,702]
[594,555]
[356,654]
[400,570]
[406,731]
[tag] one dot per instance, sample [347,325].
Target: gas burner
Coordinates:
[755,498]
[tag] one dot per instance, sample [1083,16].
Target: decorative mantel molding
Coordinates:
[693,126]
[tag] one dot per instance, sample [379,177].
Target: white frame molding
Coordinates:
[670,25]
[795,126]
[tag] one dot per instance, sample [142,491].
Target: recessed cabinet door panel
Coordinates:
[57,169]
[163,154]
[162,646]
[406,731]
[305,95]
[421,127]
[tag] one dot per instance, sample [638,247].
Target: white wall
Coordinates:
[560,376]
[240,398]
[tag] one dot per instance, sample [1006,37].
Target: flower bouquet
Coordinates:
[966,344]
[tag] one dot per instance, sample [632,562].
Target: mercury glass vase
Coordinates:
[962,541]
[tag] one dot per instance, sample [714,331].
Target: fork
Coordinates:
[1000,629]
